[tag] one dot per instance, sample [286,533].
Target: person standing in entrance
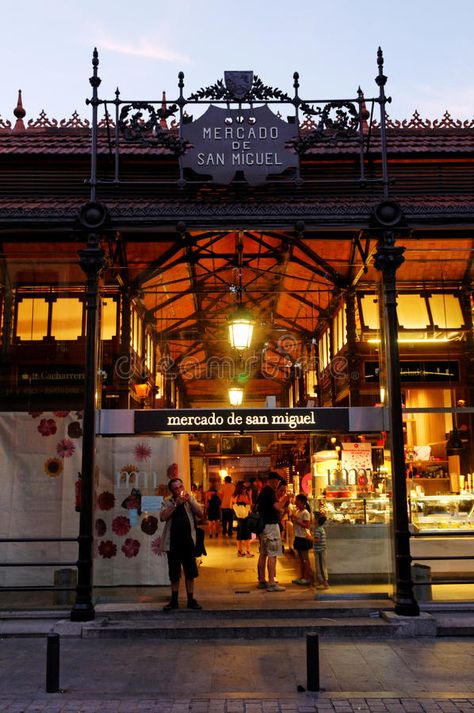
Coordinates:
[320,548]
[178,540]
[213,509]
[241,505]
[270,539]
[226,494]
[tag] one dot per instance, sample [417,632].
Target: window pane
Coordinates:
[412,312]
[446,311]
[67,318]
[370,311]
[32,319]
[108,317]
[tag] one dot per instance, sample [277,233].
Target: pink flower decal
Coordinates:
[61,414]
[107,549]
[121,525]
[172,471]
[47,427]
[106,500]
[130,547]
[156,547]
[149,525]
[100,527]
[35,414]
[142,451]
[65,448]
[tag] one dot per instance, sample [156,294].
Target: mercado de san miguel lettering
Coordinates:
[235,279]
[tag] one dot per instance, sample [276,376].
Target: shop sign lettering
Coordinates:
[253,141]
[209,420]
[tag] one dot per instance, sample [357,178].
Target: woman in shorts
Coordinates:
[303,541]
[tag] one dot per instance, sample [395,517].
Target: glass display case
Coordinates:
[433,513]
[368,510]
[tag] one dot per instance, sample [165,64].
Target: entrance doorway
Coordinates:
[342,475]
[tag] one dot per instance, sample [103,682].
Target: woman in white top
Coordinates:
[303,541]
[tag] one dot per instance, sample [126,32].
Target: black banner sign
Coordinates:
[253,141]
[236,420]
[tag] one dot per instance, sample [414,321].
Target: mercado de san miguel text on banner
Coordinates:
[234,280]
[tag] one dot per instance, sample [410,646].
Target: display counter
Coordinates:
[358,539]
[447,521]
[441,513]
[367,510]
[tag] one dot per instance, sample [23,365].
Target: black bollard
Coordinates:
[52,663]
[312,662]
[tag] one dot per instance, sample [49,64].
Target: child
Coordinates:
[303,541]
[320,553]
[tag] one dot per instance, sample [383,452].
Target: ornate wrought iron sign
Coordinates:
[253,141]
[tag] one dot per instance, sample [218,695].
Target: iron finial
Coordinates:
[163,123]
[381,79]
[20,114]
[95,79]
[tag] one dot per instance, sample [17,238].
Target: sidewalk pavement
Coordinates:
[240,676]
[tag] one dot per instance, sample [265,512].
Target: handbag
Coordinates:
[241,511]
[255,522]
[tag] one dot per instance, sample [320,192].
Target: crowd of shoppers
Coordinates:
[223,504]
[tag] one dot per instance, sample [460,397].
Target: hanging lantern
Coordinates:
[241,325]
[236,396]
[142,391]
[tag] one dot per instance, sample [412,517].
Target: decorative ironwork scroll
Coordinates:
[225,90]
[141,122]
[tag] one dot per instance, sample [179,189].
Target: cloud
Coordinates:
[143,47]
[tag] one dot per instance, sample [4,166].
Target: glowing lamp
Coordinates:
[241,325]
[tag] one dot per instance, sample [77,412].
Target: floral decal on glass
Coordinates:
[128,472]
[130,547]
[74,430]
[53,467]
[121,525]
[47,427]
[100,527]
[106,500]
[156,547]
[61,414]
[149,525]
[142,451]
[107,549]
[65,448]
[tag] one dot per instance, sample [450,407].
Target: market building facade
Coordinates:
[136,249]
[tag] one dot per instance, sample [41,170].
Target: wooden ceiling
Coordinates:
[291,283]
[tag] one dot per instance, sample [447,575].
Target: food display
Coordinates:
[354,510]
[430,513]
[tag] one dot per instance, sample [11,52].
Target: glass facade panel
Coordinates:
[370,311]
[32,319]
[108,318]
[412,312]
[446,311]
[66,322]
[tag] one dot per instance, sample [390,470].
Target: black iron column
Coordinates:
[388,259]
[92,261]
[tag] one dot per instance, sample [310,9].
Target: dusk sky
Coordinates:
[47,46]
